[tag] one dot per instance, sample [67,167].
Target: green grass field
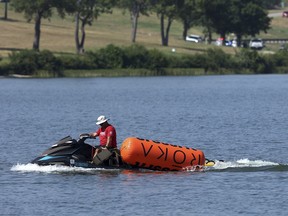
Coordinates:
[57,34]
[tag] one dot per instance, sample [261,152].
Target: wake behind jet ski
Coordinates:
[72,152]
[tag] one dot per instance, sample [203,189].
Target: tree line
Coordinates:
[143,62]
[241,17]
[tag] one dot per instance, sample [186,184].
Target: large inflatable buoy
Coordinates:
[155,155]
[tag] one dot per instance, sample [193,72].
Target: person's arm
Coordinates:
[93,135]
[108,141]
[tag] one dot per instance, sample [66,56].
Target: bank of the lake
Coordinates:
[126,73]
[137,60]
[138,72]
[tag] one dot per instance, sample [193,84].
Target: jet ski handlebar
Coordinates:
[84,136]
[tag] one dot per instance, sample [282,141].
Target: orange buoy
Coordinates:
[155,155]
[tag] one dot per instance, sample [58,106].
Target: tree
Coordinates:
[269,4]
[216,16]
[38,9]
[189,14]
[5,8]
[85,12]
[249,18]
[135,7]
[166,10]
[241,17]
[205,21]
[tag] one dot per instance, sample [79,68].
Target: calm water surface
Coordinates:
[239,119]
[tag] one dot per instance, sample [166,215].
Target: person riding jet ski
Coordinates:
[107,135]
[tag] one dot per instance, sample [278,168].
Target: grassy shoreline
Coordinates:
[109,73]
[113,73]
[133,72]
[57,35]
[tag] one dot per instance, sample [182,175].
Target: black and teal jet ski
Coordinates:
[72,152]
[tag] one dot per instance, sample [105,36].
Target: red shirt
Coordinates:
[104,133]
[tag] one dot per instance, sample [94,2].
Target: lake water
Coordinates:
[239,119]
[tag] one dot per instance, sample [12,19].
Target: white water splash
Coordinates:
[242,163]
[219,165]
[52,169]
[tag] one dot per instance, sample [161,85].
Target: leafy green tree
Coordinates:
[242,17]
[269,4]
[85,13]
[167,11]
[248,18]
[135,8]
[216,16]
[205,20]
[37,10]
[189,14]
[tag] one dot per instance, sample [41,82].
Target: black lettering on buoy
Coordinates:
[162,153]
[143,139]
[174,157]
[193,159]
[146,153]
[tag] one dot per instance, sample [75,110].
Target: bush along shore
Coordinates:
[136,60]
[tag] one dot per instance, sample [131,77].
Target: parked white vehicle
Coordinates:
[194,38]
[234,43]
[256,43]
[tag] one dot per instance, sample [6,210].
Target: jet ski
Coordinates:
[78,153]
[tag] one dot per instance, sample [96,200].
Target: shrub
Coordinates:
[157,60]
[187,61]
[24,62]
[135,56]
[251,60]
[281,58]
[4,69]
[28,62]
[106,58]
[215,59]
[110,57]
[91,57]
[77,62]
[48,62]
